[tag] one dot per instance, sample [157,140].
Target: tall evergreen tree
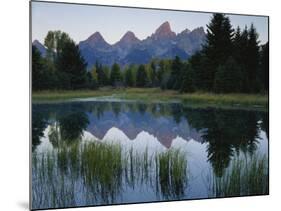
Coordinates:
[129,78]
[102,76]
[240,54]
[201,77]
[106,71]
[153,74]
[253,59]
[228,77]
[43,74]
[188,75]
[264,67]
[237,41]
[115,77]
[94,78]
[161,71]
[141,77]
[175,79]
[218,46]
[73,65]
[37,69]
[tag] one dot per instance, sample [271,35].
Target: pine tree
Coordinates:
[129,78]
[187,83]
[264,67]
[252,59]
[37,69]
[73,65]
[102,77]
[106,71]
[240,54]
[161,71]
[201,78]
[94,78]
[228,77]
[175,79]
[141,77]
[115,77]
[153,74]
[218,46]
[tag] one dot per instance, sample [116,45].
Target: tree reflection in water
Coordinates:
[75,173]
[227,132]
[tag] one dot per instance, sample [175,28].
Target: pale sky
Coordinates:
[80,21]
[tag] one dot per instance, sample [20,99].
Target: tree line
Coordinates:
[230,61]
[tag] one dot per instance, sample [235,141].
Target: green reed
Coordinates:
[172,173]
[101,171]
[244,177]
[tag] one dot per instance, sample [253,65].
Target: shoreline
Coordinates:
[154,95]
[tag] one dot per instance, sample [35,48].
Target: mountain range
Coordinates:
[163,43]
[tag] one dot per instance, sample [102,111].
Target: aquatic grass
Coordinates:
[146,164]
[138,166]
[52,186]
[172,173]
[257,176]
[102,165]
[102,170]
[50,164]
[62,160]
[244,177]
[74,159]
[179,172]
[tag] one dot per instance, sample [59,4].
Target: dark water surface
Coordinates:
[94,153]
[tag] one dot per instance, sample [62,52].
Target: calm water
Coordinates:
[93,153]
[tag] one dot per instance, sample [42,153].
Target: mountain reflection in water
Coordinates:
[210,141]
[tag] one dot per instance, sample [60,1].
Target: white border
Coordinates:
[14,86]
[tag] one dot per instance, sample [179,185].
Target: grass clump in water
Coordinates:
[98,172]
[102,169]
[243,178]
[172,173]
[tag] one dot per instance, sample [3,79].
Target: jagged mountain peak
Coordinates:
[128,38]
[129,35]
[96,40]
[186,31]
[198,30]
[96,37]
[164,27]
[164,31]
